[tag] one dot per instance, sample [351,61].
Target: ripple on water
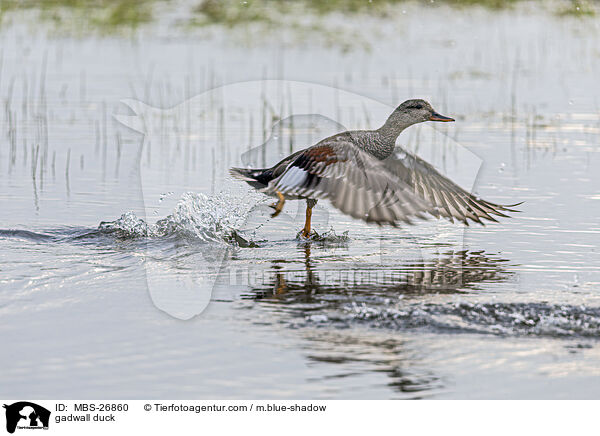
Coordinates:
[509,319]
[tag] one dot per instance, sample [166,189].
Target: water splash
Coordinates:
[196,217]
[328,238]
[128,226]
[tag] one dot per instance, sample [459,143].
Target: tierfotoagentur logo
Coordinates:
[256,124]
[24,415]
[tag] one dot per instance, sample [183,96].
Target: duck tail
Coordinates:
[246,174]
[257,178]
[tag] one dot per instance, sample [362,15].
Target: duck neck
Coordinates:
[392,128]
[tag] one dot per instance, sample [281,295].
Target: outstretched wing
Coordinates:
[353,181]
[448,199]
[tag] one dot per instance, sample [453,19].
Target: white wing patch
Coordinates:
[293,177]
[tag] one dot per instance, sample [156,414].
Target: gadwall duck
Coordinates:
[360,175]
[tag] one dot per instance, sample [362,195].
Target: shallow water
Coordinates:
[104,266]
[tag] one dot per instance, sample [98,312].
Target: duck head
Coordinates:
[408,113]
[417,111]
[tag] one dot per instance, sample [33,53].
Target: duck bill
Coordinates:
[437,117]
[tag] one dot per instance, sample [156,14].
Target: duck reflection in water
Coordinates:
[452,272]
[352,350]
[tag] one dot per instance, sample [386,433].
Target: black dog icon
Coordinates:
[31,413]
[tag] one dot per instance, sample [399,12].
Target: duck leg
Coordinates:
[279,205]
[310,203]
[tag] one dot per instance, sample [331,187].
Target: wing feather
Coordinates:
[355,182]
[446,197]
[397,189]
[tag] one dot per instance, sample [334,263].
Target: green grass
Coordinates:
[578,8]
[109,15]
[103,14]
[232,12]
[490,4]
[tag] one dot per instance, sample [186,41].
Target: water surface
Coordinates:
[97,234]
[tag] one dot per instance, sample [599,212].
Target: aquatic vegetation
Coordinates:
[101,14]
[490,4]
[113,15]
[232,12]
[578,8]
